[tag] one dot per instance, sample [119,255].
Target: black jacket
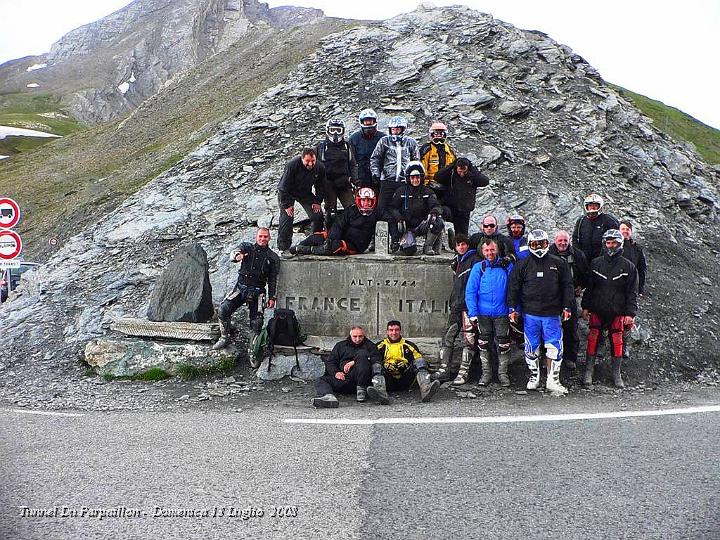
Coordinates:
[577,262]
[297,183]
[460,191]
[634,253]
[612,289]
[355,228]
[363,148]
[344,351]
[413,204]
[259,267]
[541,286]
[588,233]
[461,267]
[339,161]
[505,245]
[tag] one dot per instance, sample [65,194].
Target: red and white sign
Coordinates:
[10,245]
[9,213]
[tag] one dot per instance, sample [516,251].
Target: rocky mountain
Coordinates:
[107,68]
[534,115]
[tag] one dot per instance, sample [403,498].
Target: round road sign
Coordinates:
[9,213]
[10,245]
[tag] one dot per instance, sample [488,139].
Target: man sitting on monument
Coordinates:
[259,267]
[415,211]
[402,364]
[347,369]
[350,234]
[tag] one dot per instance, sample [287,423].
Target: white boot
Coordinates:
[464,372]
[534,365]
[553,381]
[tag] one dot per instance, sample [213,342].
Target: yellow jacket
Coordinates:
[398,357]
[434,157]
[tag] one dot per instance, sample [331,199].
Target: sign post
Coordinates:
[10,241]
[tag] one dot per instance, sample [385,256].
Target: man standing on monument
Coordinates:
[302,175]
[363,143]
[347,369]
[389,159]
[259,267]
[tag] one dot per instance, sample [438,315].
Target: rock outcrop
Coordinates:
[535,116]
[183,292]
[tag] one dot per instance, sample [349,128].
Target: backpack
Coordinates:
[284,329]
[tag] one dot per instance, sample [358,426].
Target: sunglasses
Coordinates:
[489,225]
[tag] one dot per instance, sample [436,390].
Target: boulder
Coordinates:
[127,357]
[183,291]
[311,367]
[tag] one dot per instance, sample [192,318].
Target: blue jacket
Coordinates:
[486,290]
[521,248]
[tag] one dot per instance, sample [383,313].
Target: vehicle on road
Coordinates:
[10,278]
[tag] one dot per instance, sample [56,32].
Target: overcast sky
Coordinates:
[667,50]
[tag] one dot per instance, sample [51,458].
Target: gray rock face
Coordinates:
[183,292]
[579,137]
[107,68]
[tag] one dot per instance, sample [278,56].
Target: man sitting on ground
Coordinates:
[402,364]
[347,369]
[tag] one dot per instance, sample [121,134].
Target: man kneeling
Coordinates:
[350,234]
[402,363]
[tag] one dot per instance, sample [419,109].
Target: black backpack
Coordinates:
[284,329]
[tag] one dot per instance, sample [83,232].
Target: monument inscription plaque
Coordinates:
[329,295]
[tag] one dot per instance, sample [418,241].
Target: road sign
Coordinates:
[9,213]
[10,245]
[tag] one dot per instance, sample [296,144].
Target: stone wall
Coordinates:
[331,294]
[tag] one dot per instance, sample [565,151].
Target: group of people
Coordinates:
[504,286]
[415,188]
[521,284]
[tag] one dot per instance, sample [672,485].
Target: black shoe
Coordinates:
[328,401]
[377,396]
[361,394]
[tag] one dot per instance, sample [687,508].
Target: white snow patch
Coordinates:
[33,85]
[6,131]
[132,77]
[4,157]
[53,115]
[36,66]
[124,87]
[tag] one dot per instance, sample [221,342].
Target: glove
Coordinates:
[504,262]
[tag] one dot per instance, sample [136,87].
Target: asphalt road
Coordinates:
[255,475]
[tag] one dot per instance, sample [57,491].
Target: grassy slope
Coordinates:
[25,111]
[679,125]
[77,179]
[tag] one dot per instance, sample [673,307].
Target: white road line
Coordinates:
[502,419]
[46,413]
